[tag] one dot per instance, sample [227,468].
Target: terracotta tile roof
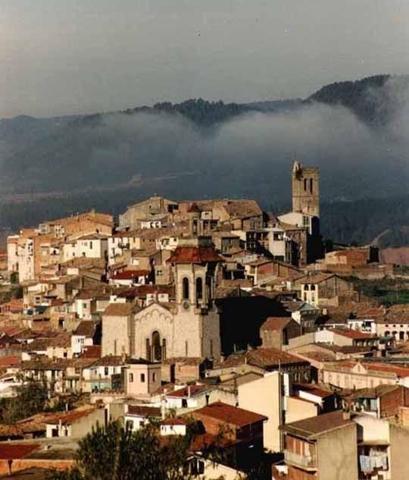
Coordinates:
[397,314]
[109,360]
[144,411]
[275,323]
[315,278]
[313,427]
[262,358]
[142,290]
[86,328]
[11,452]
[194,255]
[67,418]
[354,334]
[120,309]
[45,364]
[376,392]
[268,357]
[130,274]
[242,208]
[91,351]
[10,431]
[394,370]
[314,390]
[174,421]
[317,356]
[184,392]
[229,414]
[9,361]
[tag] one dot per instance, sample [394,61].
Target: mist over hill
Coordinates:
[356,132]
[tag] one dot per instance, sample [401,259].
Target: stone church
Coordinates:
[186,327]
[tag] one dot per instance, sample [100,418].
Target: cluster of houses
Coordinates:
[209,312]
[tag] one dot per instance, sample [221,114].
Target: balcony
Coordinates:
[307,462]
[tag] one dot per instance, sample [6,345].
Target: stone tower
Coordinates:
[306,189]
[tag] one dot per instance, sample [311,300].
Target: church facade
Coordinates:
[186,327]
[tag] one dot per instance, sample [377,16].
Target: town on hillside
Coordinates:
[213,321]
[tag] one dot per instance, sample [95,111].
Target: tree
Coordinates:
[32,398]
[115,453]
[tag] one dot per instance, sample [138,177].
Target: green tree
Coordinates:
[32,398]
[115,453]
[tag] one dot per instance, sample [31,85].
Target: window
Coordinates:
[130,377]
[185,288]
[106,370]
[153,377]
[142,378]
[305,184]
[311,183]
[199,289]
[90,245]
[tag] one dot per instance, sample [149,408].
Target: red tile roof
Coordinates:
[92,351]
[10,361]
[67,418]
[229,414]
[262,358]
[184,392]
[194,255]
[354,334]
[11,452]
[130,274]
[174,421]
[276,323]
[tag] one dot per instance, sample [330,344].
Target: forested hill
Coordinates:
[354,131]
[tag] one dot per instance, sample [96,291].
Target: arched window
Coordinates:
[156,347]
[199,290]
[185,288]
[305,184]
[311,183]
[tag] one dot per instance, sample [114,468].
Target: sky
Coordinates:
[81,56]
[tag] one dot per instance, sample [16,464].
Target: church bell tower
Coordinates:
[305,189]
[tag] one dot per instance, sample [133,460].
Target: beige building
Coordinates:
[150,213]
[323,289]
[321,448]
[354,375]
[116,329]
[142,378]
[382,448]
